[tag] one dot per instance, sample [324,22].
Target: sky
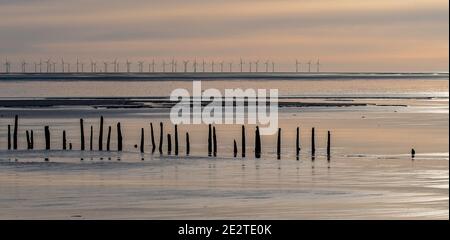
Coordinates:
[347,35]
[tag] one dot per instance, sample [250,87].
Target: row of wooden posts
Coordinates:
[212,140]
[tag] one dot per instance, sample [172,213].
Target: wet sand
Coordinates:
[371,174]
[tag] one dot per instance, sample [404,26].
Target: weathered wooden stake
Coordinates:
[313,142]
[328,145]
[81,135]
[257,143]
[16,126]
[188,145]
[9,137]
[100,135]
[142,140]
[28,140]
[47,137]
[413,153]
[119,137]
[297,143]
[243,141]
[279,144]
[209,140]
[70,146]
[176,140]
[235,151]
[32,140]
[169,144]
[64,143]
[214,142]
[91,138]
[153,138]
[108,139]
[161,132]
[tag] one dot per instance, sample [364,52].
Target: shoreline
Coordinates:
[212,76]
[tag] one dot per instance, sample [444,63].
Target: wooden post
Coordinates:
[257,143]
[16,126]
[243,141]
[81,135]
[32,140]
[176,140]
[108,139]
[235,149]
[142,140]
[47,138]
[328,145]
[214,142]
[9,137]
[413,153]
[91,138]
[64,143]
[161,137]
[187,144]
[313,142]
[279,144]
[100,135]
[119,137]
[28,140]
[209,140]
[297,143]
[169,144]
[70,146]
[153,138]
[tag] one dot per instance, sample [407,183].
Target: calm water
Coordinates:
[370,175]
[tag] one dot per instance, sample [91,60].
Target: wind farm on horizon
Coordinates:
[60,65]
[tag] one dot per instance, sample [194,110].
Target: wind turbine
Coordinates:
[48,65]
[309,66]
[164,65]
[250,65]
[92,66]
[267,65]
[68,67]
[115,64]
[256,65]
[54,66]
[23,64]
[203,65]
[7,65]
[195,65]
[221,66]
[40,65]
[273,66]
[318,65]
[62,64]
[128,66]
[153,65]
[241,63]
[172,65]
[105,67]
[35,67]
[185,62]
[212,66]
[141,66]
[78,64]
[296,65]
[231,66]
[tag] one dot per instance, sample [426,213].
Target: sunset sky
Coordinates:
[347,35]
